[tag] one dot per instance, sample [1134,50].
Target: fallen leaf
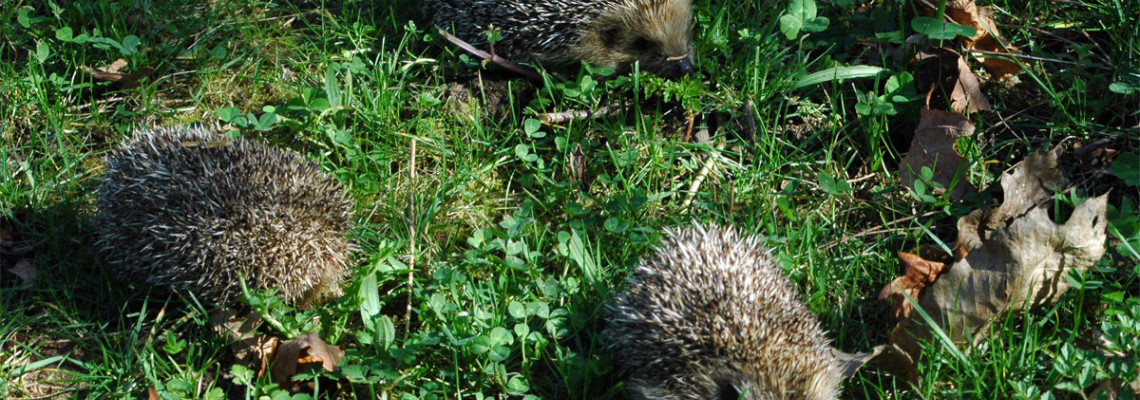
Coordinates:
[26,271]
[933,148]
[919,273]
[250,349]
[986,36]
[115,66]
[152,394]
[6,236]
[111,73]
[942,73]
[1013,257]
[299,354]
[576,167]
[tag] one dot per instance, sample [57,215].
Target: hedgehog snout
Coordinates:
[679,66]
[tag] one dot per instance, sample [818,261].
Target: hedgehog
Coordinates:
[190,209]
[611,33]
[709,315]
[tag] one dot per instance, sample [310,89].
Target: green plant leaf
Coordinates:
[938,29]
[129,45]
[43,52]
[790,26]
[1127,167]
[815,25]
[840,73]
[64,34]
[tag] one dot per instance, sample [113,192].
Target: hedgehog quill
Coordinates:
[191,210]
[612,33]
[710,316]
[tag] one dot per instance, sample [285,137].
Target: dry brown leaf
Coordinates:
[943,73]
[918,274]
[111,73]
[26,271]
[297,355]
[115,66]
[576,167]
[1015,257]
[933,147]
[6,236]
[151,394]
[250,349]
[986,37]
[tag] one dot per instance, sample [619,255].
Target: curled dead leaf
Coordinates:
[250,349]
[1013,257]
[576,168]
[26,271]
[933,148]
[942,73]
[918,273]
[987,37]
[111,73]
[301,353]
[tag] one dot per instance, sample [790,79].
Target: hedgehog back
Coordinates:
[561,33]
[710,315]
[527,27]
[190,209]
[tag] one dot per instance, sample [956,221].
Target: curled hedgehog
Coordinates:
[612,33]
[191,209]
[709,315]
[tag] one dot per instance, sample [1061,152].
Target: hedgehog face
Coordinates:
[654,33]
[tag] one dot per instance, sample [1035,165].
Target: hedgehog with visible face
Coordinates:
[612,33]
[710,316]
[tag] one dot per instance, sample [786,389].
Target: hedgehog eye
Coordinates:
[642,45]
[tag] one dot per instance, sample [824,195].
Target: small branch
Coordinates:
[881,229]
[412,240]
[529,73]
[1034,58]
[689,131]
[564,116]
[704,173]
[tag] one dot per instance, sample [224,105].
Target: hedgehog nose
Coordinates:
[681,67]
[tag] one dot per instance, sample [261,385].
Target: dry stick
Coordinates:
[689,132]
[524,71]
[1034,58]
[881,229]
[1103,54]
[702,175]
[564,116]
[412,241]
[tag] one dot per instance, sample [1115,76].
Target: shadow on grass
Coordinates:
[75,329]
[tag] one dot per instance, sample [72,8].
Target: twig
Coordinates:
[704,173]
[529,73]
[1103,54]
[1034,58]
[564,116]
[881,229]
[689,131]
[412,240]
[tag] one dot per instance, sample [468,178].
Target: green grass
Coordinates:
[514,260]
